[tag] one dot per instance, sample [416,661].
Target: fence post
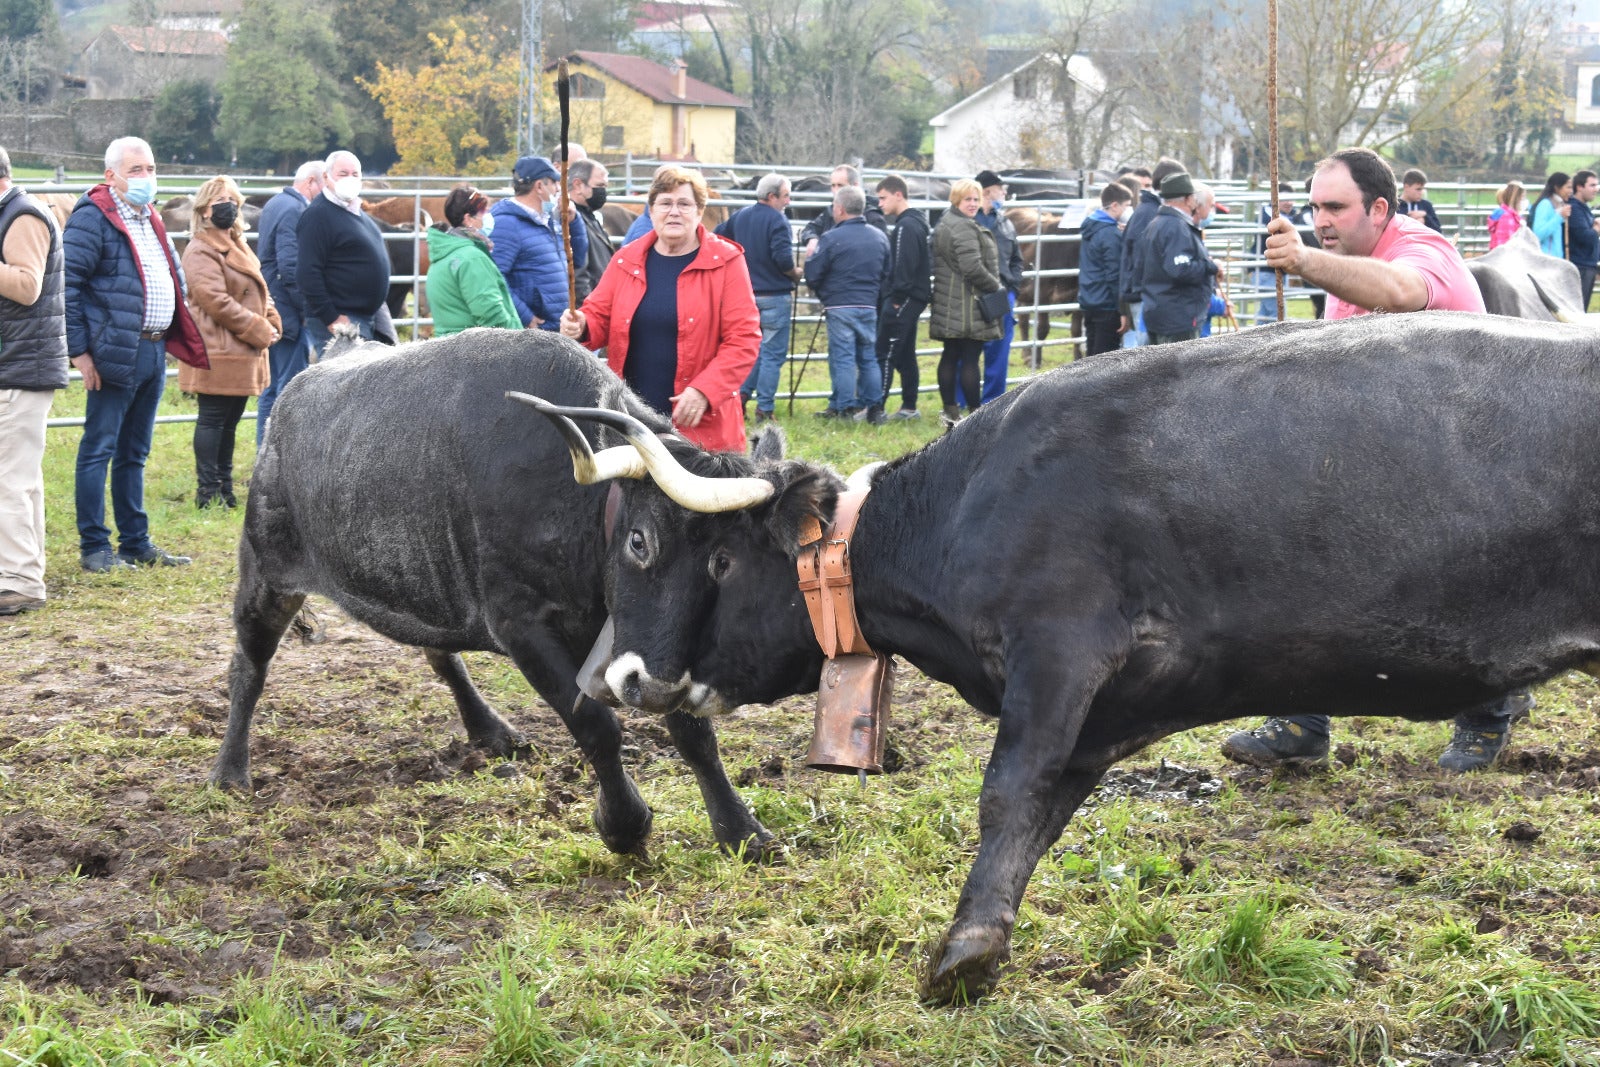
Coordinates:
[1461,207]
[1034,358]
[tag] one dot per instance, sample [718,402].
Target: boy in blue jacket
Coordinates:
[1099,264]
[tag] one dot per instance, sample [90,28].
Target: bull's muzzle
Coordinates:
[644,454]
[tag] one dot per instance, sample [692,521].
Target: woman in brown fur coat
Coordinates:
[229,301]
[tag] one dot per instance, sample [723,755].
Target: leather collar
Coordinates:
[826,580]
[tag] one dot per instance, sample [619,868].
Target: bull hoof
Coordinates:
[759,847]
[504,745]
[230,779]
[623,824]
[966,967]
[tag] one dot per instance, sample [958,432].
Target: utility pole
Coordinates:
[530,122]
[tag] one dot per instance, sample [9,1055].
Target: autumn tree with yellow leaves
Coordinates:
[458,114]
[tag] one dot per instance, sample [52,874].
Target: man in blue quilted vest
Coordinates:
[125,315]
[33,365]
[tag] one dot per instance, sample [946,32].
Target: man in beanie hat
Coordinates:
[527,245]
[1179,274]
[1131,273]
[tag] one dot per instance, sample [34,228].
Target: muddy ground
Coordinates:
[166,876]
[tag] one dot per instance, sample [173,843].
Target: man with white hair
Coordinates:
[33,365]
[343,270]
[125,315]
[278,247]
[762,230]
[848,273]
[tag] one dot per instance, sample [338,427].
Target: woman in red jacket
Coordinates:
[677,317]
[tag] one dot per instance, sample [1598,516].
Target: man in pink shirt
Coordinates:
[1373,260]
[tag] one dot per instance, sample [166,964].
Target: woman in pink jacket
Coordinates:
[1506,219]
[677,317]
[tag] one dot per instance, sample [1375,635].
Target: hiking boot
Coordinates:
[154,557]
[876,417]
[906,413]
[1472,750]
[14,603]
[101,561]
[1274,743]
[830,413]
[765,416]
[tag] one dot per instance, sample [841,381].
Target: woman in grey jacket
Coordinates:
[965,265]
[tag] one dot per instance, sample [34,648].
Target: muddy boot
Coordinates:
[1276,742]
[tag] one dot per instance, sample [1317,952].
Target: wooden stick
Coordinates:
[1272,130]
[563,96]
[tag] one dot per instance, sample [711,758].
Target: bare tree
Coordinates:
[1352,72]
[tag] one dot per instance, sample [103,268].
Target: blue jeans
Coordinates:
[286,358]
[853,359]
[320,335]
[1135,337]
[996,359]
[1267,310]
[764,376]
[119,424]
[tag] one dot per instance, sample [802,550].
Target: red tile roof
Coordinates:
[153,40]
[654,80]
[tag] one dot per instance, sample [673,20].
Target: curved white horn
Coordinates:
[648,454]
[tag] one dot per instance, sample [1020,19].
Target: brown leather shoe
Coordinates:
[16,603]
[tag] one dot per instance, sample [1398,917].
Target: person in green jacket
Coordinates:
[465,288]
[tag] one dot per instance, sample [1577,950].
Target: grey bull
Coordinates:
[1521,281]
[399,484]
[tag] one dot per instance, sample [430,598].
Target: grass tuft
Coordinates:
[1248,951]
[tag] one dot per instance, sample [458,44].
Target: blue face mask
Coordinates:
[140,191]
[1203,223]
[550,208]
[486,227]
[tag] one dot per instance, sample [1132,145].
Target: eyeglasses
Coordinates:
[667,207]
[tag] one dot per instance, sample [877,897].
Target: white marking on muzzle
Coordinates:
[629,680]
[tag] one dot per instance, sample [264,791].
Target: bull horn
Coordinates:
[588,468]
[1562,314]
[649,455]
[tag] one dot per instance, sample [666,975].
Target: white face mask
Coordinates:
[486,227]
[347,189]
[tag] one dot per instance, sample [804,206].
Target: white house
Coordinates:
[1020,120]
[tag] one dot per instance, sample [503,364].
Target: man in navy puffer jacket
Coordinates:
[125,315]
[1100,263]
[527,245]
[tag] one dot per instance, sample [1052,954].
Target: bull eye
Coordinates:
[719,564]
[637,544]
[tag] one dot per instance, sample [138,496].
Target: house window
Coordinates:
[1025,85]
[611,139]
[1594,92]
[586,88]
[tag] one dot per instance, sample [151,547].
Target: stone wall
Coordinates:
[76,139]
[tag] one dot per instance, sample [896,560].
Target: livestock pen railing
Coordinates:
[1046,236]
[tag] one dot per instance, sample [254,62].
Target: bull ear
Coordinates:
[769,444]
[805,491]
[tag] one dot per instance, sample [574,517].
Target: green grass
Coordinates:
[348,913]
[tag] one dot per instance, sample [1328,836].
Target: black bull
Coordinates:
[1395,515]
[401,485]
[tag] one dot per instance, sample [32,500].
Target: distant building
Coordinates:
[673,27]
[1018,119]
[218,16]
[137,62]
[628,104]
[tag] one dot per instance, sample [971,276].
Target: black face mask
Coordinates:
[597,198]
[223,214]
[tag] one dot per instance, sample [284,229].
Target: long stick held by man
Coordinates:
[564,97]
